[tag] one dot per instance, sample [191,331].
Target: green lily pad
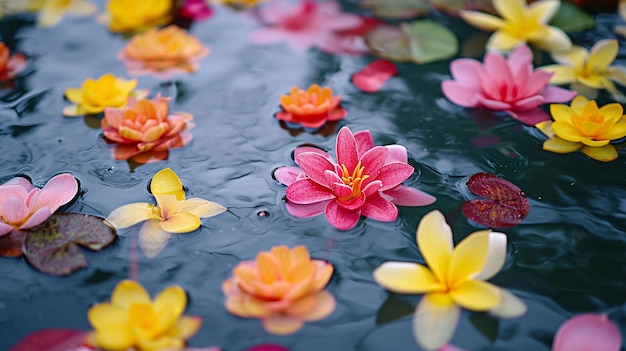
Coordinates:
[52,247]
[397,9]
[420,41]
[572,18]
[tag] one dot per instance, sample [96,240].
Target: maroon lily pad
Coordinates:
[51,340]
[503,204]
[52,247]
[12,243]
[373,76]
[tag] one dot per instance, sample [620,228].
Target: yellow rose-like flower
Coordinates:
[521,23]
[96,95]
[583,125]
[134,15]
[133,320]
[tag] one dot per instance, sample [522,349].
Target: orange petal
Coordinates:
[282,325]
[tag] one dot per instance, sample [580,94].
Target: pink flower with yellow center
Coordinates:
[310,108]
[283,287]
[144,130]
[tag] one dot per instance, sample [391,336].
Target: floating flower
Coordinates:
[304,25]
[23,206]
[283,287]
[504,85]
[144,130]
[172,214]
[10,64]
[195,10]
[366,180]
[310,108]
[585,126]
[163,52]
[521,23]
[133,320]
[588,71]
[240,5]
[454,278]
[132,16]
[51,12]
[588,331]
[96,95]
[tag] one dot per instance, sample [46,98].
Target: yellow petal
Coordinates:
[435,321]
[469,257]
[131,214]
[602,54]
[406,278]
[128,292]
[561,112]
[612,111]
[562,74]
[543,11]
[75,95]
[166,181]
[152,239]
[182,222]
[268,267]
[202,208]
[575,58]
[511,10]
[618,131]
[50,17]
[546,128]
[482,20]
[554,40]
[174,299]
[566,131]
[604,153]
[434,238]
[476,295]
[126,86]
[282,325]
[114,338]
[106,315]
[496,256]
[510,306]
[73,111]
[595,81]
[186,327]
[578,104]
[502,41]
[83,8]
[617,74]
[560,146]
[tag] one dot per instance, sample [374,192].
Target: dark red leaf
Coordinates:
[373,76]
[51,340]
[504,204]
[11,244]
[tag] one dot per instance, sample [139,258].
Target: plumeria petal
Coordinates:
[602,54]
[561,74]
[14,210]
[152,239]
[496,255]
[502,41]
[181,222]
[406,278]
[560,146]
[476,295]
[555,40]
[435,320]
[201,207]
[510,306]
[469,257]
[544,10]
[35,219]
[482,20]
[166,181]
[434,238]
[131,214]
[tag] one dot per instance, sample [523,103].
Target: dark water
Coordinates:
[566,257]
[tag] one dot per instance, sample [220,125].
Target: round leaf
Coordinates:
[397,8]
[572,18]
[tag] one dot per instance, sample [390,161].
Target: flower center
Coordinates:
[354,180]
[142,317]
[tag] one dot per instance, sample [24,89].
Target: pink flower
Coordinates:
[364,181]
[588,331]
[23,206]
[504,85]
[195,10]
[304,25]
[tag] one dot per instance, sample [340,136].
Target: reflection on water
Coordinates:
[566,257]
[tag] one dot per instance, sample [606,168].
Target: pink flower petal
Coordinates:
[314,165]
[306,191]
[267,347]
[302,149]
[392,174]
[346,149]
[306,210]
[287,175]
[196,10]
[494,104]
[13,190]
[5,228]
[330,17]
[497,73]
[40,216]
[14,210]
[520,62]
[364,141]
[403,195]
[340,217]
[466,71]
[528,103]
[340,189]
[373,76]
[58,191]
[553,94]
[19,181]
[397,153]
[461,94]
[589,331]
[373,160]
[530,117]
[538,80]
[376,207]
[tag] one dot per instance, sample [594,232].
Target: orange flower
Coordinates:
[163,52]
[311,108]
[283,287]
[144,131]
[10,65]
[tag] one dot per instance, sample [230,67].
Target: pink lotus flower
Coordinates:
[304,25]
[364,181]
[23,206]
[504,85]
[588,331]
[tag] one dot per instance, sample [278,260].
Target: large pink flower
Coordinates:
[23,206]
[365,180]
[504,85]
[304,25]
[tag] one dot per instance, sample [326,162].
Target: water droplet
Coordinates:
[263,214]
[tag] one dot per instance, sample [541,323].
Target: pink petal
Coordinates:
[306,210]
[14,210]
[461,94]
[397,153]
[267,35]
[19,181]
[352,204]
[341,218]
[196,10]
[372,187]
[40,216]
[287,175]
[589,331]
[314,165]
[373,160]
[306,191]
[376,207]
[267,347]
[364,141]
[553,94]
[538,80]
[466,71]
[13,190]
[346,149]
[392,174]
[302,149]
[330,18]
[520,61]
[406,196]
[497,72]
[58,191]
[340,189]
[494,104]
[373,76]
[530,117]
[528,103]
[5,228]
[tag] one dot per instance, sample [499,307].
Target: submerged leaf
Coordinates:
[11,244]
[52,247]
[401,9]
[572,18]
[373,76]
[51,340]
[505,205]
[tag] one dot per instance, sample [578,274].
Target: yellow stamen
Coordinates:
[354,180]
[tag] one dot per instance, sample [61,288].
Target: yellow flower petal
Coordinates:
[546,128]
[476,295]
[574,58]
[72,111]
[435,320]
[83,8]
[612,111]
[593,80]
[511,10]
[282,325]
[183,222]
[481,20]
[131,214]
[617,74]
[469,257]
[75,95]
[561,112]
[502,41]
[152,239]
[166,181]
[562,74]
[128,292]
[578,104]
[560,146]
[510,306]
[496,256]
[602,54]
[543,11]
[604,153]
[50,16]
[106,315]
[202,208]
[406,278]
[173,299]
[554,40]
[434,238]
[114,338]
[186,327]
[566,131]
[618,131]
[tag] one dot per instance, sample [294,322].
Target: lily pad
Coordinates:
[52,247]
[503,205]
[397,9]
[572,18]
[420,41]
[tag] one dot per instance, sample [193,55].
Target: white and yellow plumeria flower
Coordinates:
[454,278]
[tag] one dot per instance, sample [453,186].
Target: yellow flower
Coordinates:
[96,95]
[589,70]
[583,125]
[521,23]
[454,277]
[51,12]
[133,15]
[133,320]
[239,5]
[172,214]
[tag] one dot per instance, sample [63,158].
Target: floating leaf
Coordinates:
[505,205]
[11,244]
[454,6]
[52,247]
[392,309]
[373,76]
[51,340]
[571,18]
[398,9]
[420,41]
